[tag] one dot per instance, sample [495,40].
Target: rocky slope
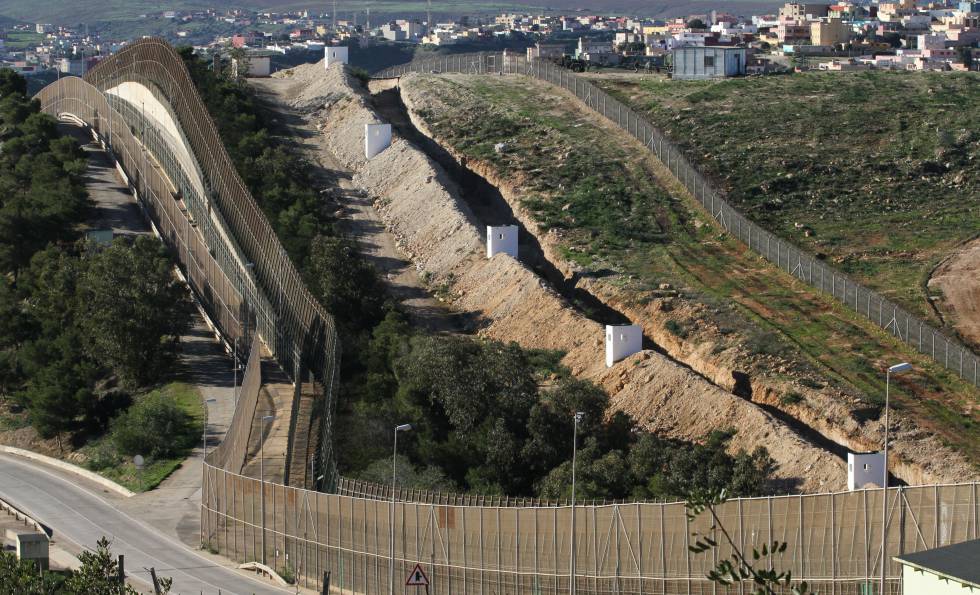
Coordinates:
[421,209]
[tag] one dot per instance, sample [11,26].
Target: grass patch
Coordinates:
[868,169]
[106,460]
[601,199]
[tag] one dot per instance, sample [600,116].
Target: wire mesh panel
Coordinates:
[833,540]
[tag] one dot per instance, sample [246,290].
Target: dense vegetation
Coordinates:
[487,417]
[83,327]
[809,155]
[617,218]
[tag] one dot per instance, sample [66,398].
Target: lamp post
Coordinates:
[266,419]
[571,563]
[896,369]
[391,510]
[206,401]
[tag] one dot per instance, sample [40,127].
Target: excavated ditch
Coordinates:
[490,207]
[421,205]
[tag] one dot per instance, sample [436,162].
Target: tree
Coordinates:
[99,574]
[738,567]
[21,577]
[132,309]
[696,24]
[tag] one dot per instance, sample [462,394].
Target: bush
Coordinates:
[791,398]
[155,426]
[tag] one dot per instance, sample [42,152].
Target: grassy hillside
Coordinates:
[613,220]
[879,172]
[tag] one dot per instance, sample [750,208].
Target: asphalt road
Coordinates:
[80,513]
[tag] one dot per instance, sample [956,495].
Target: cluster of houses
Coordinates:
[846,35]
[60,49]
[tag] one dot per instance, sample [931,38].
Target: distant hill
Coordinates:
[90,11]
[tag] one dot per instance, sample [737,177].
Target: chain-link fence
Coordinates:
[805,267]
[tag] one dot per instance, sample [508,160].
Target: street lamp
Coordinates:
[206,425]
[571,564]
[896,369]
[391,510]
[266,419]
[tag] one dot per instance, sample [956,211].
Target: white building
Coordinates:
[501,239]
[950,570]
[865,469]
[708,62]
[622,341]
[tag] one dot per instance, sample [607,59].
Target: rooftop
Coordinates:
[959,562]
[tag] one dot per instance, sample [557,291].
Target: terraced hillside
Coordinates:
[608,217]
[878,172]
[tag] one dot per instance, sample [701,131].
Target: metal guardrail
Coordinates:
[884,313]
[25,518]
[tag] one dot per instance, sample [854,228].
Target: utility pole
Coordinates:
[334,15]
[428,17]
[367,26]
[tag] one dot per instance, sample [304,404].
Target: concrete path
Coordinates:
[114,207]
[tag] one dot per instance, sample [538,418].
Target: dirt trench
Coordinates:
[420,204]
[490,207]
[828,417]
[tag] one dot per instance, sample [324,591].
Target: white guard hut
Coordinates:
[622,341]
[501,238]
[334,54]
[377,138]
[864,469]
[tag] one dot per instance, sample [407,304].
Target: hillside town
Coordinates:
[902,35]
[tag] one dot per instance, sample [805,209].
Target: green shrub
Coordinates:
[677,329]
[791,398]
[155,426]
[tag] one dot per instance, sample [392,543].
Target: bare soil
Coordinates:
[957,279]
[506,300]
[830,416]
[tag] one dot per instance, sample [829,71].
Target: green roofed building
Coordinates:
[953,569]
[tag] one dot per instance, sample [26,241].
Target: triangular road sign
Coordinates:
[417,578]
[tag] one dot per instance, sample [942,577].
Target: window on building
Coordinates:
[709,61]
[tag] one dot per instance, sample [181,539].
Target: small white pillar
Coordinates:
[622,341]
[501,238]
[377,138]
[864,469]
[334,54]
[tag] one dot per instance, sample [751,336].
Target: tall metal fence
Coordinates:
[237,238]
[833,540]
[76,99]
[883,312]
[232,451]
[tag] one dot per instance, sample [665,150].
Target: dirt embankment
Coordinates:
[835,419]
[420,207]
[957,279]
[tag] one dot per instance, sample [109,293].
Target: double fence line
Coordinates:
[887,315]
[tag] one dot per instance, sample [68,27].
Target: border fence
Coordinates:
[883,312]
[833,540]
[232,232]
[467,546]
